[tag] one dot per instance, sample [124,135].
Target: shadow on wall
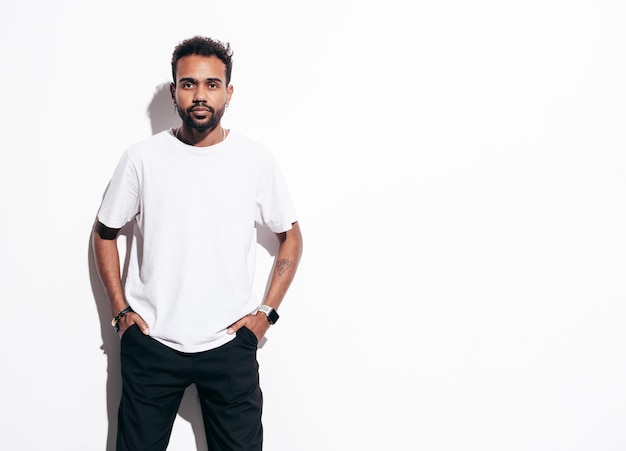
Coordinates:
[161,109]
[162,117]
[110,341]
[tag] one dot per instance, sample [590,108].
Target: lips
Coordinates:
[201,109]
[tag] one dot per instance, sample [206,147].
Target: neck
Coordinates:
[198,138]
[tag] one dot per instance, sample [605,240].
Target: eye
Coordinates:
[213,85]
[187,85]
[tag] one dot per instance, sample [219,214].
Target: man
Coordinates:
[187,313]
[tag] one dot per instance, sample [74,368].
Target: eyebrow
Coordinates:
[193,80]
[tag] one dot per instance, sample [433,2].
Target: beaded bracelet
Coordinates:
[119,316]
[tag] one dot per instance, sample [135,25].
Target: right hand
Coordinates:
[132,318]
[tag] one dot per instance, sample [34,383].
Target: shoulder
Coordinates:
[145,147]
[248,146]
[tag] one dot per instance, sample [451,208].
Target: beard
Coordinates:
[214,117]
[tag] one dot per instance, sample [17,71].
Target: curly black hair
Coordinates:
[203,46]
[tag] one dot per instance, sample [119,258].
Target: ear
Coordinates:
[173,91]
[229,93]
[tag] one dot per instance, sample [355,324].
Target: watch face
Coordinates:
[272,317]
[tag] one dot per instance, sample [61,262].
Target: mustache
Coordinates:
[201,105]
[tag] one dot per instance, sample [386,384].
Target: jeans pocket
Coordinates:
[248,336]
[129,332]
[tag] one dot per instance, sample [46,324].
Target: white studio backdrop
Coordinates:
[460,177]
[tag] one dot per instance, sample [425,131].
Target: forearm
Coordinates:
[285,266]
[107,261]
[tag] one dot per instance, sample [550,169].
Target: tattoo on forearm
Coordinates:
[282,265]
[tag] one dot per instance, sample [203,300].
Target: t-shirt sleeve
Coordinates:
[121,198]
[274,204]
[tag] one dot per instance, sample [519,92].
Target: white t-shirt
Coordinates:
[192,259]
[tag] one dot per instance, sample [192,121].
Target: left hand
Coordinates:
[257,323]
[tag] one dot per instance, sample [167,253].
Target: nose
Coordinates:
[200,95]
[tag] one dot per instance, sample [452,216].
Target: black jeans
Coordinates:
[154,379]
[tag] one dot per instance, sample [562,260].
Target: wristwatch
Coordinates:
[270,312]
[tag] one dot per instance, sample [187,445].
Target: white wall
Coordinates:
[460,174]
